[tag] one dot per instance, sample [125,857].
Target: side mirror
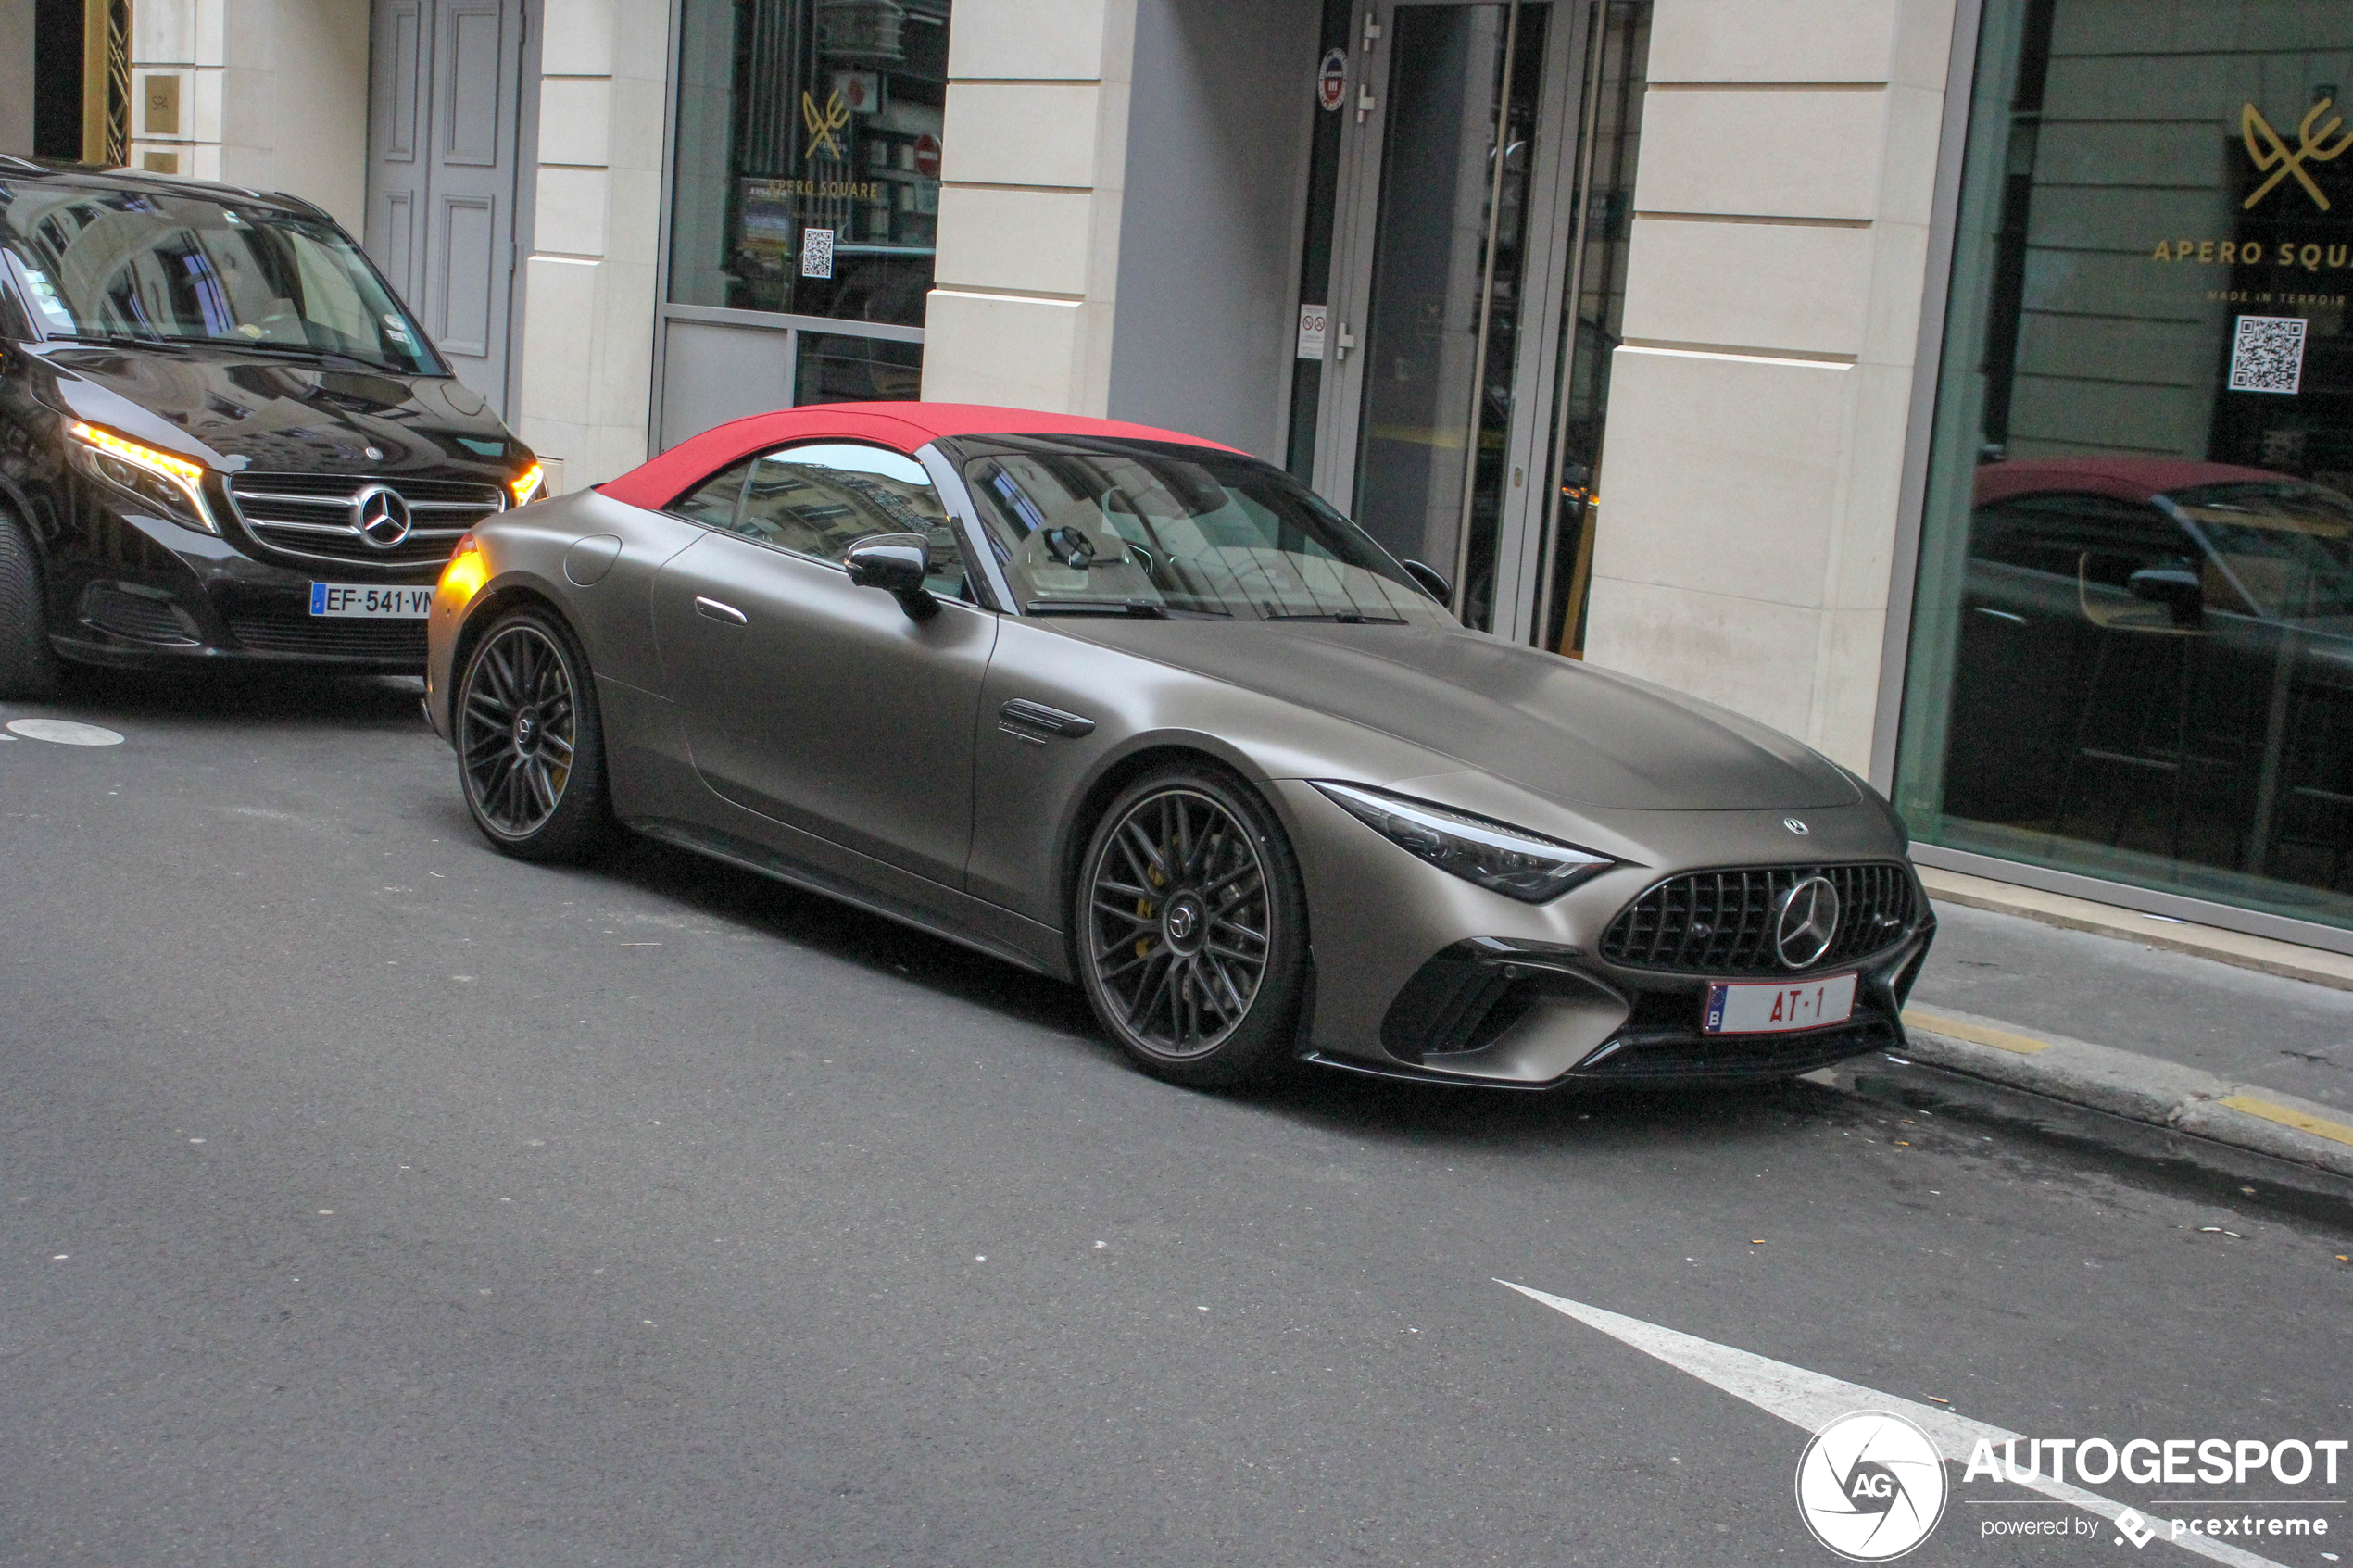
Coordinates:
[1433,581]
[897,563]
[2181,591]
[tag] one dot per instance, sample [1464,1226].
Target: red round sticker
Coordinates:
[927,157]
[1331,80]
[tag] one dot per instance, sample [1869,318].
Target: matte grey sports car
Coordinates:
[1140,711]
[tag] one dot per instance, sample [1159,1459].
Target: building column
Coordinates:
[1751,466]
[588,290]
[271,95]
[1034,154]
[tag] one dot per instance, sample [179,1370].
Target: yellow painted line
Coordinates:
[2336,1131]
[1975,1034]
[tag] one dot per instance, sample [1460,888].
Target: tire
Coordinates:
[27,667]
[530,742]
[1190,927]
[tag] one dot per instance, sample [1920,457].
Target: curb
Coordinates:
[2135,1088]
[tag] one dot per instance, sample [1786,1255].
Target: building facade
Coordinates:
[1960,386]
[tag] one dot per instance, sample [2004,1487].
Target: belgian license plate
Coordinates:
[371,601]
[1775,1009]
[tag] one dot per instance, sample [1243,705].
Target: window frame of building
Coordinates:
[1935,464]
[804,357]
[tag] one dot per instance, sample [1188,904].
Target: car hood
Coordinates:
[221,405]
[1564,730]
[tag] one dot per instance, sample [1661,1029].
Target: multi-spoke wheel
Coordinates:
[530,751]
[1190,927]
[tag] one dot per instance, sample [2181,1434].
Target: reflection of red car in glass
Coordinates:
[2157,653]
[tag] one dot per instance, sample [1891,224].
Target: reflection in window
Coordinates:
[1136,527]
[808,155]
[2132,631]
[819,499]
[836,369]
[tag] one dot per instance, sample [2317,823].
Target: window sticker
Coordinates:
[44,294]
[2268,355]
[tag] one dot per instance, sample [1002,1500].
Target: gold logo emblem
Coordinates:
[2271,152]
[824,122]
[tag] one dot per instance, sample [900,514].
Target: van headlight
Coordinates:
[165,481]
[1504,859]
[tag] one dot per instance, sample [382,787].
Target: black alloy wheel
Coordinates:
[530,747]
[1191,928]
[28,668]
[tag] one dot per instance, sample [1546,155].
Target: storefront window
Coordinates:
[808,157]
[2133,634]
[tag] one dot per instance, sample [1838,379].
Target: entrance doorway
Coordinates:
[445,108]
[1468,189]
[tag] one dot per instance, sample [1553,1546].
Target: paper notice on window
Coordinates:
[816,253]
[1313,318]
[2267,355]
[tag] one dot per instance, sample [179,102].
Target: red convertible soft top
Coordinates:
[901,426]
[2124,479]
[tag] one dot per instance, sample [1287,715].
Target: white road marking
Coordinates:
[64,731]
[1810,1400]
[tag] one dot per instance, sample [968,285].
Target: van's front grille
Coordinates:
[334,636]
[320,516]
[1721,922]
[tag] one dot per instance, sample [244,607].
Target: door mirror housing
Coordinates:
[1433,581]
[2180,590]
[897,563]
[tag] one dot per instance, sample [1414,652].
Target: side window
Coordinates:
[713,502]
[2101,539]
[820,499]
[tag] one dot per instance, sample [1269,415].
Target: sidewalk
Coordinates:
[2251,1061]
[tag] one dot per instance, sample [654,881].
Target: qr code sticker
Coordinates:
[817,258]
[2268,354]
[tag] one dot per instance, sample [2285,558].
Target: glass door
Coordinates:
[1435,432]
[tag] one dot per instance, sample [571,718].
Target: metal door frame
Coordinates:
[1528,441]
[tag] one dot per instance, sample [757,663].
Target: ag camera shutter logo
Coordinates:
[1871,1486]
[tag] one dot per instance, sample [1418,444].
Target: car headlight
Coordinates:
[1509,860]
[171,484]
[526,484]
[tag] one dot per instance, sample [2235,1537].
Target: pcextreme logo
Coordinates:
[1870,1485]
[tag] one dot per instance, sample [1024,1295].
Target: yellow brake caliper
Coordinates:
[1146,908]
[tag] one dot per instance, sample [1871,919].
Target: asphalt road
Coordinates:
[366,1198]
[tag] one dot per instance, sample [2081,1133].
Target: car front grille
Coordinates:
[1721,922]
[314,515]
[292,632]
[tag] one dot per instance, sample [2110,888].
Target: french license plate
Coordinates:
[371,601]
[1774,1009]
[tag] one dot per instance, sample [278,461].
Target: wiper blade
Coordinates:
[110,338]
[294,350]
[1142,610]
[1344,618]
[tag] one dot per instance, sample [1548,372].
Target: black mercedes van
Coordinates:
[223,439]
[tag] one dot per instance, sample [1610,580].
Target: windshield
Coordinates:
[2281,551]
[1150,528]
[116,265]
